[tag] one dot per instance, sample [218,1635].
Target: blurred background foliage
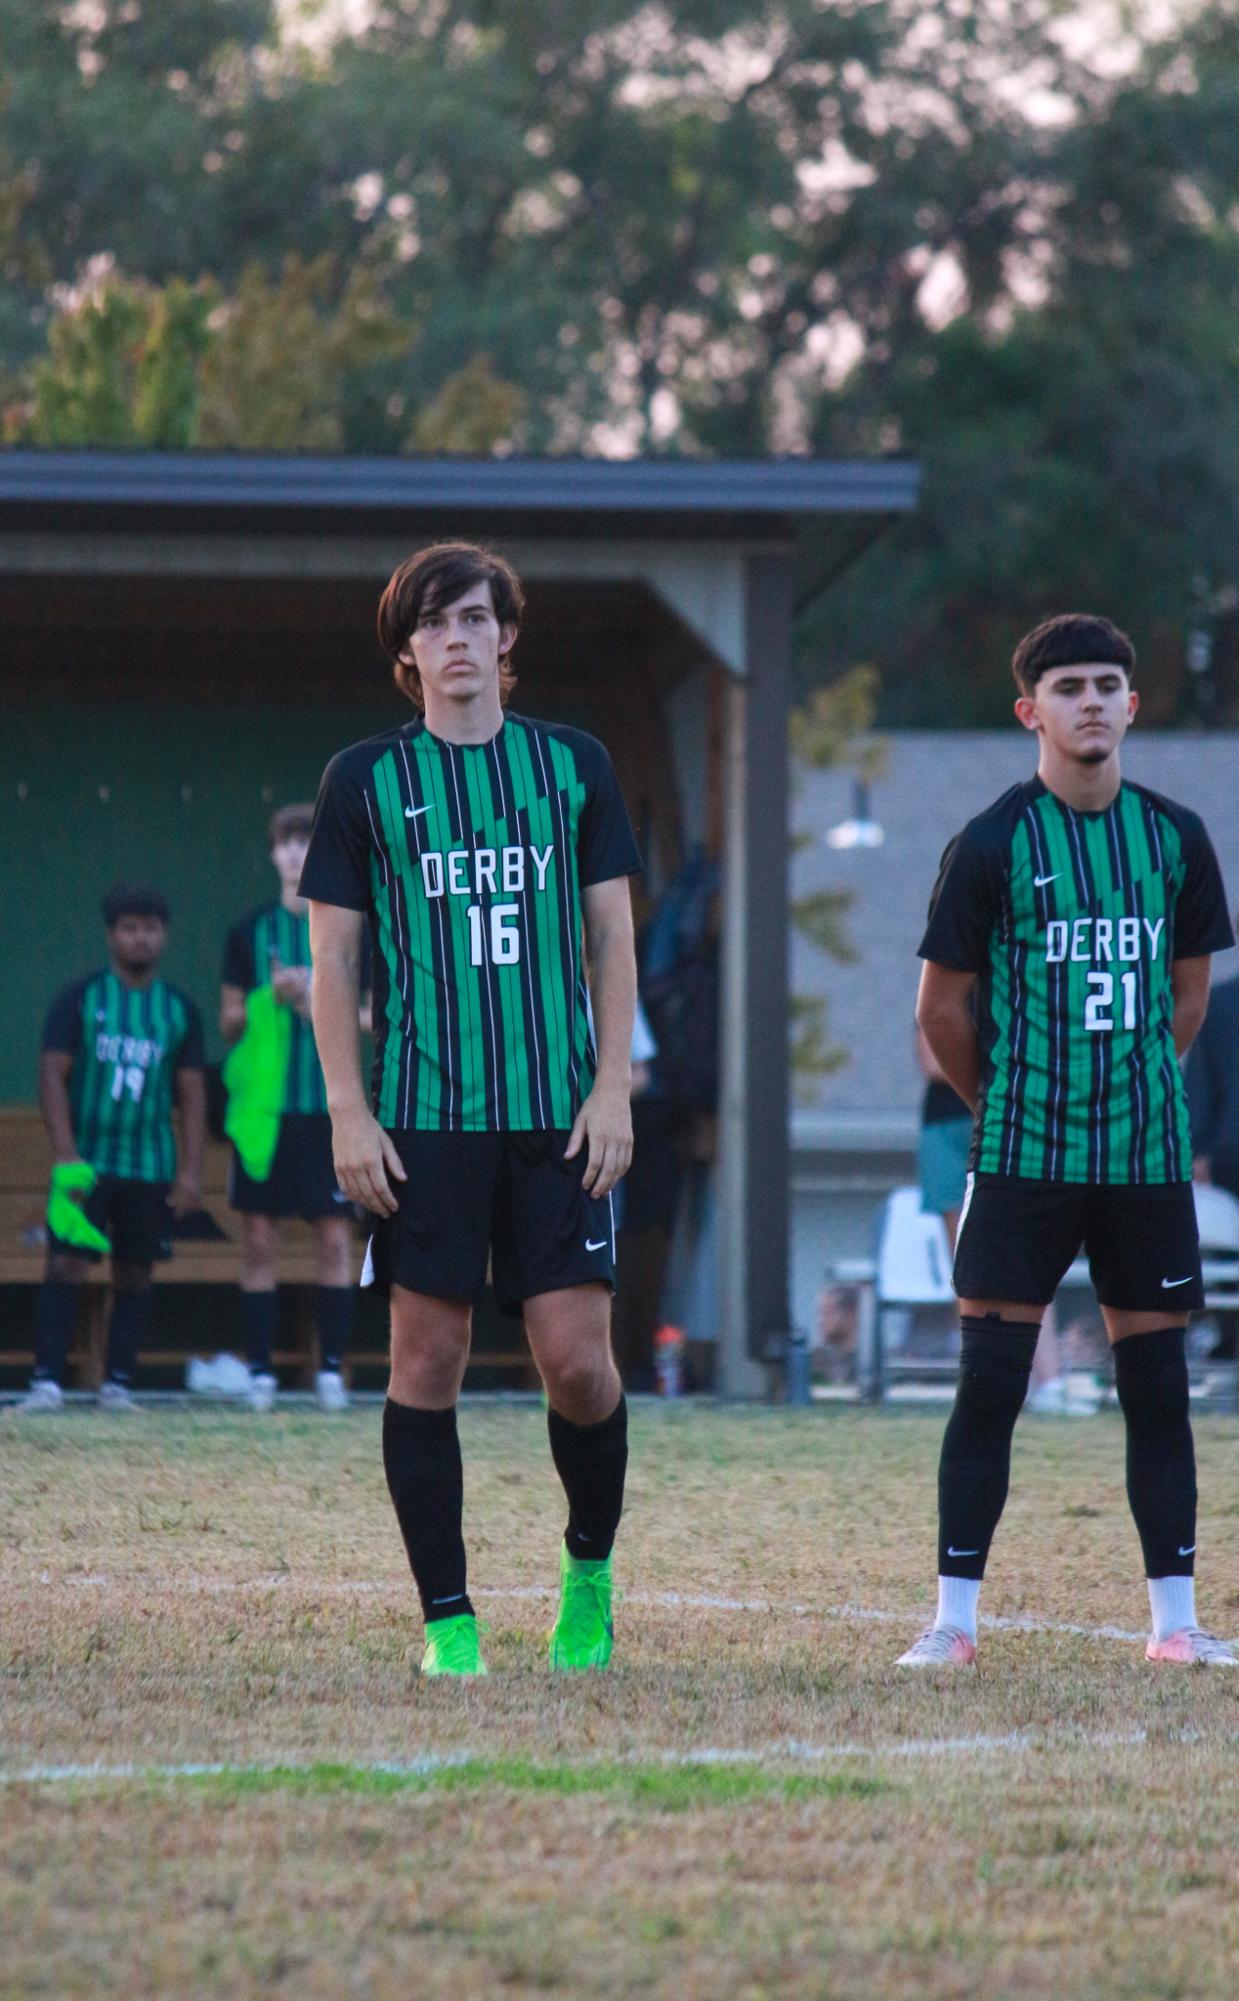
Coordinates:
[1000,235]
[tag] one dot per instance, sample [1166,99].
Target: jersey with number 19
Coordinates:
[1072,922]
[470,860]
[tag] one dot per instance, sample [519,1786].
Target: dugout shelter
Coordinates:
[187,638]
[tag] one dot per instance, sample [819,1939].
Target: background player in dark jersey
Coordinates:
[490,853]
[118,1048]
[272,947]
[1083,911]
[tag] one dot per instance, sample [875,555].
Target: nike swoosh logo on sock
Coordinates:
[962,1552]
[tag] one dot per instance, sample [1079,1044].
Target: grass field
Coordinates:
[752,1803]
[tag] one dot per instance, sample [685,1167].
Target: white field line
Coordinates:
[672,1601]
[788,1752]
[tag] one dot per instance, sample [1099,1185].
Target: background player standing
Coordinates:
[117,1047]
[1083,909]
[490,853]
[272,946]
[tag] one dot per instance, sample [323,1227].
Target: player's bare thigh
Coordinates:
[429,1348]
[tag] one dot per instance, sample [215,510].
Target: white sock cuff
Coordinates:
[1172,1601]
[957,1603]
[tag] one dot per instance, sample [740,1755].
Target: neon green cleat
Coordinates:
[582,1635]
[452,1646]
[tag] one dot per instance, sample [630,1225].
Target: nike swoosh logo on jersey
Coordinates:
[412,812]
[1040,881]
[1168,1282]
[961,1552]
[599,1246]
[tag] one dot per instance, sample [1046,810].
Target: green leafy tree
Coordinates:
[473,412]
[273,376]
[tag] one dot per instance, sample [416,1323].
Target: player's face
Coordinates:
[1081,712]
[289,858]
[457,647]
[137,943]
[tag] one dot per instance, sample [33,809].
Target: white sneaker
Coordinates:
[116,1396]
[1192,1648]
[43,1395]
[261,1393]
[330,1391]
[940,1646]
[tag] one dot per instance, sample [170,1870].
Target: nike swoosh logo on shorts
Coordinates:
[411,813]
[961,1552]
[599,1246]
[1040,881]
[1168,1282]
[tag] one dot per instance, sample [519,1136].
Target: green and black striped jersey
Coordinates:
[127,1044]
[1072,922]
[267,937]
[470,860]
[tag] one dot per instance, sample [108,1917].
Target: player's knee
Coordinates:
[63,1269]
[579,1380]
[428,1359]
[1150,1376]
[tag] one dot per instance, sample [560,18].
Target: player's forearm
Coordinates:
[56,1110]
[1189,980]
[191,1105]
[613,991]
[952,1040]
[335,1009]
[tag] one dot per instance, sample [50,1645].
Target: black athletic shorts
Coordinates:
[507,1199]
[1017,1238]
[134,1215]
[302,1181]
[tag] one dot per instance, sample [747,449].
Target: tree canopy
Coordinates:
[727,226]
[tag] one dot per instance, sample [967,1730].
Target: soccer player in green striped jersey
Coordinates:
[490,854]
[1066,971]
[120,1047]
[271,947]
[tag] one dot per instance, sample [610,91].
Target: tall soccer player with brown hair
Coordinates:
[490,854]
[1067,961]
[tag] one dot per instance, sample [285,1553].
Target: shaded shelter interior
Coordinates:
[154,723]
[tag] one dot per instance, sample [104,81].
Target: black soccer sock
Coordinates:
[995,1364]
[425,1478]
[130,1322]
[333,1314]
[1150,1375]
[591,1460]
[258,1311]
[55,1317]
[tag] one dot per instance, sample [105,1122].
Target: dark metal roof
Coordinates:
[219,481]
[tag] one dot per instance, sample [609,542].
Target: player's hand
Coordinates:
[605,1123]
[366,1161]
[185,1195]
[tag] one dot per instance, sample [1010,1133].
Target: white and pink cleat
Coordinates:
[1192,1647]
[940,1646]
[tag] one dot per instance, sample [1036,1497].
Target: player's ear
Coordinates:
[1133,703]
[507,640]
[1026,710]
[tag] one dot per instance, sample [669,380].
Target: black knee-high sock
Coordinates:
[333,1315]
[55,1315]
[591,1460]
[425,1478]
[973,1473]
[1150,1375]
[131,1319]
[258,1329]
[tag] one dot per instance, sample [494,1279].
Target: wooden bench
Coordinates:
[25,1163]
